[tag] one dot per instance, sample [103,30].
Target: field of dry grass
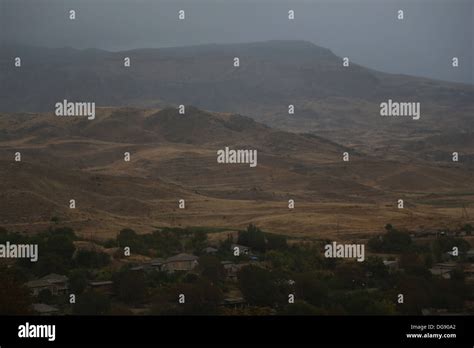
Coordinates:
[171,160]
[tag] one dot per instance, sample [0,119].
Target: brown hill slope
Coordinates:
[173,157]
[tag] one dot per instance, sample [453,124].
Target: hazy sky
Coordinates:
[367,31]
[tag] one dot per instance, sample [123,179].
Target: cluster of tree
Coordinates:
[468,229]
[92,303]
[162,242]
[364,302]
[130,286]
[78,280]
[443,244]
[254,238]
[55,247]
[297,258]
[419,293]
[157,279]
[91,259]
[318,293]
[195,296]
[15,298]
[212,269]
[393,241]
[261,287]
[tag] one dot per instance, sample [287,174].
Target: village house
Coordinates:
[234,299]
[45,309]
[392,265]
[156,264]
[443,269]
[105,287]
[231,269]
[238,302]
[56,284]
[180,262]
[469,273]
[148,265]
[210,250]
[470,255]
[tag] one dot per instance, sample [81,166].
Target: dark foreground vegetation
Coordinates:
[183,271]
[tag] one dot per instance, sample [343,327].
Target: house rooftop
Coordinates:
[44,308]
[47,280]
[101,283]
[233,245]
[447,265]
[390,262]
[234,301]
[39,283]
[53,278]
[182,257]
[210,250]
[157,261]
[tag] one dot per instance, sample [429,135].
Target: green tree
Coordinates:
[363,303]
[444,244]
[78,280]
[61,245]
[129,238]
[92,303]
[350,275]
[45,296]
[414,264]
[49,263]
[197,242]
[212,268]
[279,260]
[252,237]
[311,289]
[91,259]
[259,286]
[15,298]
[376,267]
[468,229]
[130,286]
[416,294]
[276,242]
[202,297]
[393,241]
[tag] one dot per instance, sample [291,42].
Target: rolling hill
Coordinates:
[173,157]
[335,102]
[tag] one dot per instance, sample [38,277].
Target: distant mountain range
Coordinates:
[340,103]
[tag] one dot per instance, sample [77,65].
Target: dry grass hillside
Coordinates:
[173,157]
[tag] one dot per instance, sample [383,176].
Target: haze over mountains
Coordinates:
[204,76]
[341,103]
[173,156]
